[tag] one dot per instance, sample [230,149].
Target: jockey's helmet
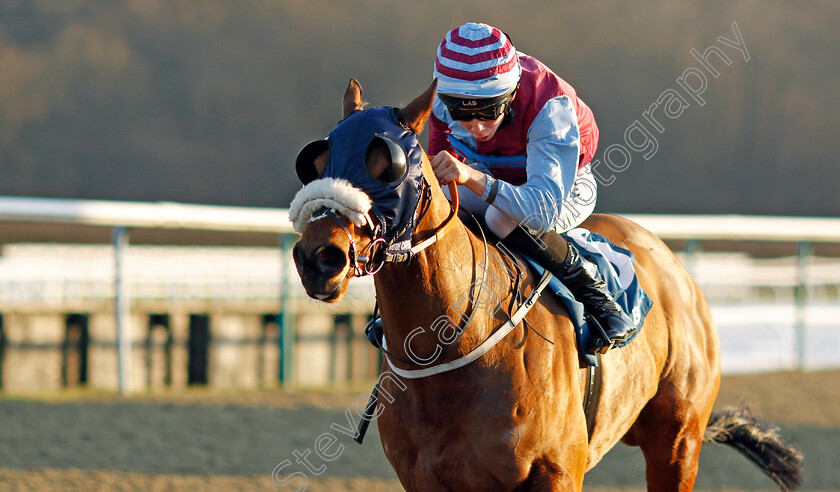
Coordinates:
[478,71]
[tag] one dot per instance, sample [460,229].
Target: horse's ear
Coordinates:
[415,114]
[352,98]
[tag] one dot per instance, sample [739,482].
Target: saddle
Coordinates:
[615,265]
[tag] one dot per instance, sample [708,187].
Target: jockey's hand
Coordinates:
[448,169]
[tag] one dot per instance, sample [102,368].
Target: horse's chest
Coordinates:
[462,452]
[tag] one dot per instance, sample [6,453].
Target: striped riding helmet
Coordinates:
[476,61]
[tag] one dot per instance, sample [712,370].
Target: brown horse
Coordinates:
[513,419]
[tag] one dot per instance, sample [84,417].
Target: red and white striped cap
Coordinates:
[476,60]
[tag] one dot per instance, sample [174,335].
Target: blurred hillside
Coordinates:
[208,101]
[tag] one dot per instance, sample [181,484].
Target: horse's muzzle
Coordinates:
[322,270]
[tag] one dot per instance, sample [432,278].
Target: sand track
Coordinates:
[208,441]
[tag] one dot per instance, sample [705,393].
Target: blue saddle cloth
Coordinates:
[616,267]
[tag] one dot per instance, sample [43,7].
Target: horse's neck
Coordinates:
[419,293]
[436,291]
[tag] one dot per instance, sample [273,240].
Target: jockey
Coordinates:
[518,141]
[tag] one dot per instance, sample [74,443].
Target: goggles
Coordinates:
[466,108]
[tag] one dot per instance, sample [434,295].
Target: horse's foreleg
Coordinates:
[670,435]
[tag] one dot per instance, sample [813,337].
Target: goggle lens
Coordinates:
[466,109]
[487,114]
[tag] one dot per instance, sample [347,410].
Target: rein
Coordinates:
[439,232]
[362,263]
[482,349]
[362,266]
[466,322]
[491,341]
[485,346]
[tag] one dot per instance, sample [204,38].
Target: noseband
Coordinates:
[364,264]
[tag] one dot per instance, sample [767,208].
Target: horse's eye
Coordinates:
[311,160]
[385,160]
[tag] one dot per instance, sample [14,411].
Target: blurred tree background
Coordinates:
[208,101]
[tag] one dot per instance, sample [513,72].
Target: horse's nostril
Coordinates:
[330,259]
[297,254]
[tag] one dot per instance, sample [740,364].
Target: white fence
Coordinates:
[159,215]
[771,294]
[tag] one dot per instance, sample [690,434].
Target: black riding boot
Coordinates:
[562,259]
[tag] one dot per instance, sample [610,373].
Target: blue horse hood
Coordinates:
[394,203]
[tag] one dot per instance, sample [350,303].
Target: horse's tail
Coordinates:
[759,441]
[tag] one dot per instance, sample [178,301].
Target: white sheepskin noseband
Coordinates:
[334,193]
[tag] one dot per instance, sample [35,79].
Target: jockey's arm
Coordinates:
[552,162]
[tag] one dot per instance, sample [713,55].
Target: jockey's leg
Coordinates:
[562,259]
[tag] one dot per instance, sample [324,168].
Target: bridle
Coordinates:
[365,262]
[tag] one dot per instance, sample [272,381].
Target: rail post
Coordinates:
[803,251]
[692,250]
[286,338]
[121,309]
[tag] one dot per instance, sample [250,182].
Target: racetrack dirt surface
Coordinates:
[201,440]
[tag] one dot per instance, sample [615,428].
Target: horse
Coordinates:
[511,419]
